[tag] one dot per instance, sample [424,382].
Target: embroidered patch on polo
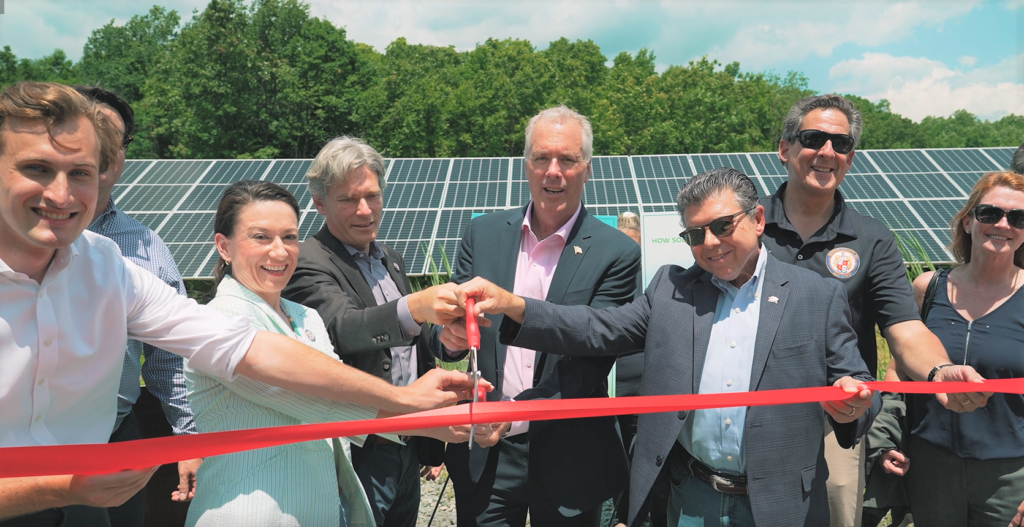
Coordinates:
[843,262]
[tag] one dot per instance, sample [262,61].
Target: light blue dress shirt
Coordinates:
[403,358]
[288,485]
[715,436]
[162,371]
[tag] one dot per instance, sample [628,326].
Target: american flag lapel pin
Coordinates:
[773,299]
[576,249]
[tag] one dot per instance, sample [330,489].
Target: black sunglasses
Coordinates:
[126,140]
[720,227]
[991,214]
[841,143]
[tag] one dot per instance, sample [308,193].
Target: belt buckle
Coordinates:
[716,480]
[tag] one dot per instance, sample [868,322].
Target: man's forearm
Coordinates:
[280,361]
[20,496]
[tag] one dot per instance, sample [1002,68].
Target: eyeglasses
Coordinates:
[126,140]
[991,214]
[720,227]
[841,143]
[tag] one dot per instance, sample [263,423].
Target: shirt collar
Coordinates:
[762,257]
[841,222]
[61,259]
[108,213]
[375,251]
[562,231]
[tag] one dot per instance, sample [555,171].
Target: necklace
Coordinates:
[291,322]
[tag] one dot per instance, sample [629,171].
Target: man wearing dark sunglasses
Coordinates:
[808,224]
[738,321]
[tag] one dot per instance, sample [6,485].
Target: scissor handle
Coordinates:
[472,329]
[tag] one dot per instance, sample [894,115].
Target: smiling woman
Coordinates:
[256,233]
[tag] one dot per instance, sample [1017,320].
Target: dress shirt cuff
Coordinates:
[410,329]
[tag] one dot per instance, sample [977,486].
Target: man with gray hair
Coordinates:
[808,224]
[558,471]
[1017,164]
[738,321]
[360,288]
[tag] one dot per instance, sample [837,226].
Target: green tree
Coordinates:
[884,129]
[121,58]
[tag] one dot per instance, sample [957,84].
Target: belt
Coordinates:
[724,483]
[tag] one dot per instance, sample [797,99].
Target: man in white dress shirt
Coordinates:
[69,302]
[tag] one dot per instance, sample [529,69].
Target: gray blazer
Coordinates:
[804,339]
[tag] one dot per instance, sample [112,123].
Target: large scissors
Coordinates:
[473,340]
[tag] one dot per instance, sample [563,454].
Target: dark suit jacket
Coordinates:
[327,278]
[581,461]
[804,339]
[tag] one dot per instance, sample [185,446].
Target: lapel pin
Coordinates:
[395,265]
[773,299]
[576,249]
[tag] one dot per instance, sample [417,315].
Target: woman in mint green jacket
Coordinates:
[310,483]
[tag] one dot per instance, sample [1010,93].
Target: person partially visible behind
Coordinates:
[311,483]
[162,370]
[968,468]
[1017,163]
[628,371]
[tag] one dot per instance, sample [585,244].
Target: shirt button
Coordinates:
[732,345]
[41,381]
[728,458]
[40,295]
[729,382]
[737,310]
[47,342]
[799,257]
[728,421]
[38,417]
[529,364]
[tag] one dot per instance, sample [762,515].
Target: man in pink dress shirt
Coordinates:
[552,249]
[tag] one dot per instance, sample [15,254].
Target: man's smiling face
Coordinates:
[48,185]
[822,169]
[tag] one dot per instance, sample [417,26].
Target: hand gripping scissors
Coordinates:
[473,340]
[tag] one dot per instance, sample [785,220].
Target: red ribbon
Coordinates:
[113,457]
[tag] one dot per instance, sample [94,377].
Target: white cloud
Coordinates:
[918,87]
[792,31]
[967,60]
[464,23]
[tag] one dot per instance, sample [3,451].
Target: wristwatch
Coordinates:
[931,374]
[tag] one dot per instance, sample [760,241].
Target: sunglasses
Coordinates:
[815,139]
[720,227]
[126,140]
[991,214]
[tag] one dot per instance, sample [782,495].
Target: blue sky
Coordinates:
[927,58]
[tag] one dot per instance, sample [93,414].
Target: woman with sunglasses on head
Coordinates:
[968,468]
[310,483]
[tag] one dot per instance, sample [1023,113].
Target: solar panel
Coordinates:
[705,162]
[1002,156]
[229,171]
[672,166]
[485,194]
[429,202]
[962,160]
[926,186]
[177,172]
[151,198]
[659,190]
[768,164]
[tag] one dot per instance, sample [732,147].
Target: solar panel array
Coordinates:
[428,202]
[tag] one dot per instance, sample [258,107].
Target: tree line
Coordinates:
[265,79]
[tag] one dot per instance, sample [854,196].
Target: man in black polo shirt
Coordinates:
[809,225]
